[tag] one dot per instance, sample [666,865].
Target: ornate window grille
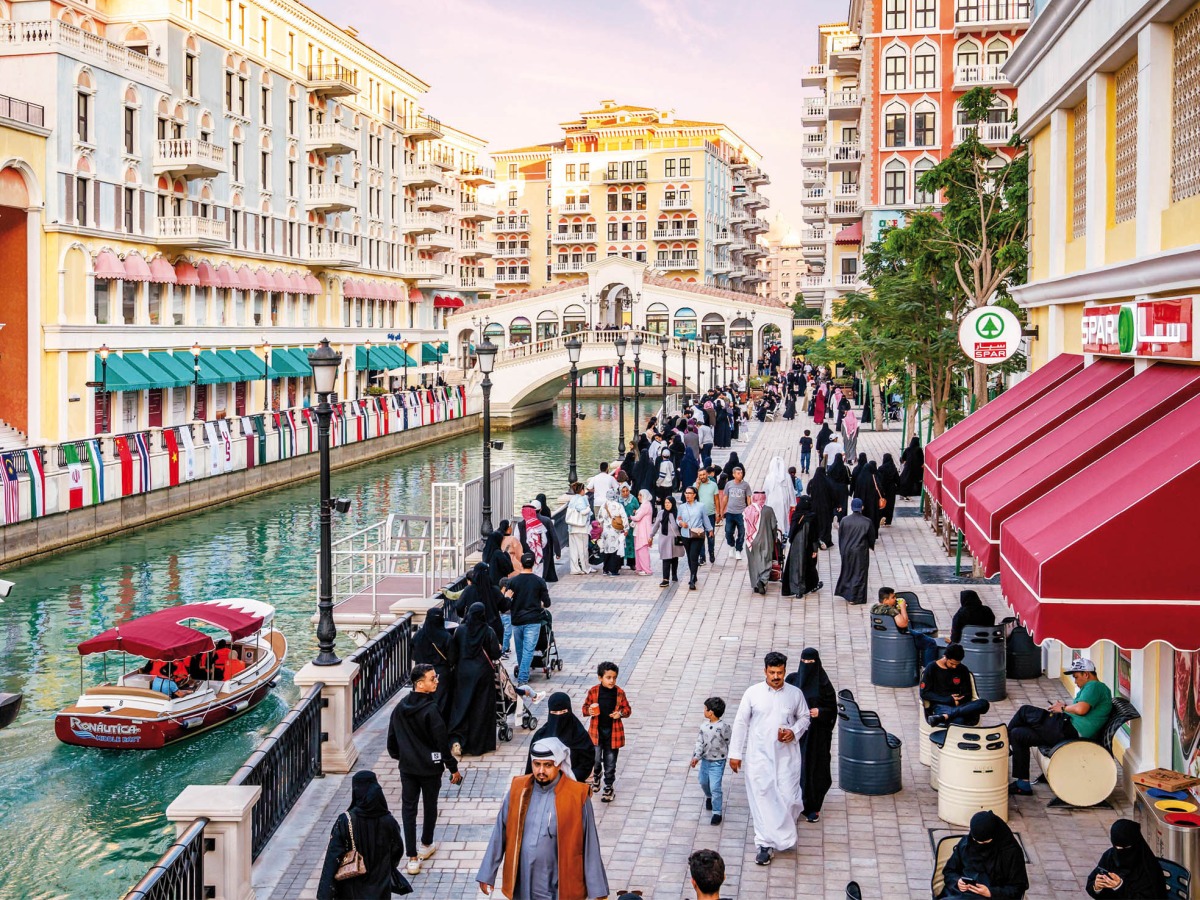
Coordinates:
[1185,111]
[1079,171]
[1125,193]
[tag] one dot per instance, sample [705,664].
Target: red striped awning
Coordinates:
[106,265]
[162,271]
[185,273]
[136,268]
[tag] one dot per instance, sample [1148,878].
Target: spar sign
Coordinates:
[989,335]
[1161,329]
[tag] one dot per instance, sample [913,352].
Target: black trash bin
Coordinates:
[868,757]
[1024,656]
[985,655]
[893,654]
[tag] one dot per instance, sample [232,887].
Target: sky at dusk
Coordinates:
[510,72]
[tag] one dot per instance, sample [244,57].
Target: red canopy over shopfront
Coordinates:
[1024,427]
[1012,401]
[1070,447]
[1110,554]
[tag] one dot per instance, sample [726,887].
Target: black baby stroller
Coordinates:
[545,654]
[506,705]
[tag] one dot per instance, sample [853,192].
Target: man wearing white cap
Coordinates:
[549,846]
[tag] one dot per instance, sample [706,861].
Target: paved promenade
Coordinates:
[675,648]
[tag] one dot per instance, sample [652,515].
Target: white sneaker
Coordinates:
[413,867]
[456,749]
[533,696]
[427,850]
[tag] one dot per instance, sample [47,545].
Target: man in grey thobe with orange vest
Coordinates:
[545,835]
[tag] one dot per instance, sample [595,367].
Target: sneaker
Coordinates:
[715,820]
[456,749]
[764,856]
[813,817]
[663,583]
[708,803]
[691,585]
[506,655]
[596,786]
[427,850]
[608,796]
[1016,790]
[532,696]
[413,867]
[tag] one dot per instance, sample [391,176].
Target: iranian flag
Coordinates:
[96,464]
[122,446]
[74,476]
[172,441]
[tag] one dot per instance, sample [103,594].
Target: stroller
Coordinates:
[545,654]
[506,705]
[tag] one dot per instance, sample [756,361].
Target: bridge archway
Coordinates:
[616,304]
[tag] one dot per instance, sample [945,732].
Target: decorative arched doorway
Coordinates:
[616,305]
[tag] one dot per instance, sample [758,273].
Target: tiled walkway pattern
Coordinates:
[676,648]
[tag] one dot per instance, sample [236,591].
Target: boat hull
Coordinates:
[130,733]
[10,705]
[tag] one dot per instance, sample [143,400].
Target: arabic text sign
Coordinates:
[989,334]
[1160,329]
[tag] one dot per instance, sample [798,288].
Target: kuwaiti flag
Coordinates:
[226,445]
[143,448]
[12,498]
[172,443]
[74,476]
[37,483]
[189,453]
[215,448]
[122,446]
[251,441]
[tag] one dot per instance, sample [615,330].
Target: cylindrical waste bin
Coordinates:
[925,754]
[1180,843]
[973,773]
[936,741]
[868,757]
[1024,656]
[984,649]
[893,654]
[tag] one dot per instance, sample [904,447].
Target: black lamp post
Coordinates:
[325,363]
[637,378]
[368,363]
[699,343]
[486,353]
[404,349]
[619,343]
[713,341]
[195,381]
[437,365]
[574,348]
[266,349]
[663,340]
[104,388]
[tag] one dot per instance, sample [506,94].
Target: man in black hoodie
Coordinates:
[417,739]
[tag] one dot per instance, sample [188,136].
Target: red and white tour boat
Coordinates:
[191,683]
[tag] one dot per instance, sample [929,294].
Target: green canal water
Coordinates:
[86,823]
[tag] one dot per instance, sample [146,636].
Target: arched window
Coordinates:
[925,67]
[895,182]
[895,124]
[713,324]
[895,68]
[520,331]
[920,197]
[997,52]
[925,124]
[657,316]
[685,323]
[574,319]
[966,53]
[547,325]
[494,332]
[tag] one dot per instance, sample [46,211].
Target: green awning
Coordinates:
[245,371]
[213,369]
[122,375]
[402,358]
[174,367]
[151,370]
[254,362]
[290,363]
[429,353]
[445,347]
[360,358]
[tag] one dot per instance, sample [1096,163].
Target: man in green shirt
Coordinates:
[1035,727]
[706,494]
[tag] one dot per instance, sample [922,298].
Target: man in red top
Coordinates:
[607,706]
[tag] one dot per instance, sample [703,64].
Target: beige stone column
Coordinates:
[338,752]
[228,810]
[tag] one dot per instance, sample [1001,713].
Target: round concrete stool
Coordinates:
[973,773]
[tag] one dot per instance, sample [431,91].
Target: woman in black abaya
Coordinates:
[1131,866]
[865,489]
[889,480]
[472,724]
[376,835]
[480,589]
[912,473]
[839,483]
[991,856]
[563,724]
[800,568]
[722,431]
[499,563]
[820,489]
[816,777]
[824,436]
[431,645]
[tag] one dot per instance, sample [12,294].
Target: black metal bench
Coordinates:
[1083,772]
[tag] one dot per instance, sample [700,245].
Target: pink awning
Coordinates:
[208,275]
[226,277]
[162,271]
[350,288]
[246,280]
[106,265]
[311,284]
[295,283]
[851,235]
[415,296]
[136,268]
[267,281]
[375,290]
[185,273]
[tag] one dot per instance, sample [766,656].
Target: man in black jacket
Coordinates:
[417,739]
[946,687]
[529,597]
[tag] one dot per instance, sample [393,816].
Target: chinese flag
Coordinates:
[172,443]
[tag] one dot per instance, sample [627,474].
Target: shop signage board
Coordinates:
[1158,329]
[989,335]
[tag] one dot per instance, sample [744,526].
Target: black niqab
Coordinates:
[563,724]
[1131,859]
[431,643]
[477,628]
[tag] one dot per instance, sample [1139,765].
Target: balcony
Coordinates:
[844,156]
[992,15]
[512,278]
[476,249]
[331,138]
[332,254]
[816,282]
[845,56]
[756,226]
[420,269]
[967,77]
[755,200]
[739,271]
[998,133]
[738,217]
[679,234]
[189,231]
[813,177]
[510,252]
[721,267]
[815,213]
[435,243]
[722,237]
[845,105]
[436,201]
[332,196]
[478,176]
[422,223]
[814,251]
[574,237]
[813,112]
[688,264]
[422,175]
[443,159]
[566,267]
[849,281]
[28,38]
[738,164]
[332,80]
[754,251]
[477,212]
[424,128]
[623,176]
[756,176]
[754,276]
[680,201]
[844,209]
[577,207]
[814,76]
[189,158]
[814,153]
[515,226]
[739,245]
[814,196]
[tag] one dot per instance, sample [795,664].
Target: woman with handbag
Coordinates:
[611,516]
[579,523]
[475,650]
[695,526]
[669,540]
[364,848]
[643,531]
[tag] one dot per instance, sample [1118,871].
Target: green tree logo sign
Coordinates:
[989,326]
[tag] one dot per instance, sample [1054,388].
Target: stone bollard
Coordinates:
[230,828]
[338,752]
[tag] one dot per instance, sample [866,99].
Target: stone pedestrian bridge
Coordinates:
[709,333]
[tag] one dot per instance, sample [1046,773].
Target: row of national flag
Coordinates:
[295,433]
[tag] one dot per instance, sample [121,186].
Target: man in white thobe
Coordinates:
[771,718]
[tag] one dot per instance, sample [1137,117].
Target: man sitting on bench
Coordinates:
[1036,727]
[946,687]
[888,605]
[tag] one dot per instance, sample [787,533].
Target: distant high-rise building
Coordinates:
[784,267]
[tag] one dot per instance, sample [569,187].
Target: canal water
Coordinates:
[86,823]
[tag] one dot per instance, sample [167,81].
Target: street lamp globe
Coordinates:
[619,343]
[486,354]
[637,345]
[195,351]
[574,348]
[325,362]
[104,352]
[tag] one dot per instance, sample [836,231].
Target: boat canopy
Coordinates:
[160,635]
